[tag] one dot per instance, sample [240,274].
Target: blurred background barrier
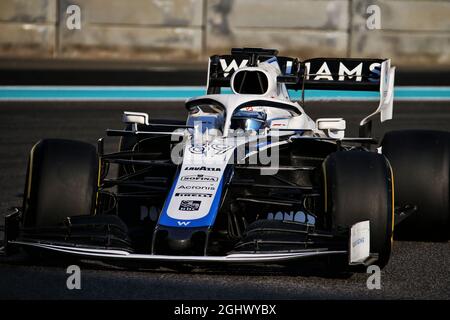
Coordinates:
[414,33]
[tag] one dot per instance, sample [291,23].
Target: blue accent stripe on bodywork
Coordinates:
[205,221]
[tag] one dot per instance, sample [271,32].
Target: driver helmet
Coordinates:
[248,120]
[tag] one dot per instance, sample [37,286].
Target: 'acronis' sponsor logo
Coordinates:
[196,188]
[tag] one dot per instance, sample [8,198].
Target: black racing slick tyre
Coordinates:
[61,181]
[359,187]
[420,161]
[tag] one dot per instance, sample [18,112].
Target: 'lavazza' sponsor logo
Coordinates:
[199,178]
[189,205]
[201,169]
[193,194]
[196,188]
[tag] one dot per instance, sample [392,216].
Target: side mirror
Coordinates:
[135,117]
[335,127]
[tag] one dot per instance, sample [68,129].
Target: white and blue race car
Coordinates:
[248,178]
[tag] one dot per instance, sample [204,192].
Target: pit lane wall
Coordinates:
[411,32]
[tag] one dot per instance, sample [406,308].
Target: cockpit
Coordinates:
[248,117]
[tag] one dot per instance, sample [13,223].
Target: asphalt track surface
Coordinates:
[417,270]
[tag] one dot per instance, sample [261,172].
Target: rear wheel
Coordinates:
[358,187]
[420,160]
[61,182]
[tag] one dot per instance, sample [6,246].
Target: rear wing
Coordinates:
[317,74]
[353,74]
[222,67]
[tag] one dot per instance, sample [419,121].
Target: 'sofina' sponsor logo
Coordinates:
[199,178]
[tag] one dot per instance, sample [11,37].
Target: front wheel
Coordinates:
[359,187]
[61,182]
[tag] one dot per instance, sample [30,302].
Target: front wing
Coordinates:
[90,252]
[108,254]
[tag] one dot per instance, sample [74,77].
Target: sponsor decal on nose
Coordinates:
[189,205]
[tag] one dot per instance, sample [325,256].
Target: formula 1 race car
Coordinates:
[248,178]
